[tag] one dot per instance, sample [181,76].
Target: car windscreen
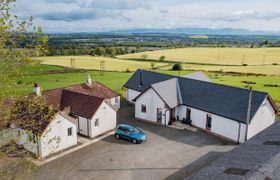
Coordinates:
[135,130]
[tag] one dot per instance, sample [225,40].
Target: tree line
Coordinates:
[66,50]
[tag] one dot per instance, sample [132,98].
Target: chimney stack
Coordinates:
[36,89]
[141,79]
[88,81]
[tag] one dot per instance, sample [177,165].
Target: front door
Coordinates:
[83,126]
[208,122]
[159,115]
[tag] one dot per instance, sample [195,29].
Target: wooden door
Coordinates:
[159,115]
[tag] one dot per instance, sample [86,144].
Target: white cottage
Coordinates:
[47,137]
[217,109]
[88,109]
[93,106]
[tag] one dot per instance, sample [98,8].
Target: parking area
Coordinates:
[168,154]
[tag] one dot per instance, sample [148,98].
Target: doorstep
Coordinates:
[182,126]
[82,142]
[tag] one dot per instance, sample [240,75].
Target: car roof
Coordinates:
[127,126]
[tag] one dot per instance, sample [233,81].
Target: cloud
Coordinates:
[106,4]
[89,15]
[78,15]
[163,11]
[246,15]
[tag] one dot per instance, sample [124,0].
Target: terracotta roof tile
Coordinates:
[82,99]
[96,89]
[80,104]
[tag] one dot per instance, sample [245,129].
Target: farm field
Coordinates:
[90,62]
[111,64]
[265,69]
[50,77]
[219,56]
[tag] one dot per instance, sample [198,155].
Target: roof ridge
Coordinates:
[82,94]
[217,84]
[61,88]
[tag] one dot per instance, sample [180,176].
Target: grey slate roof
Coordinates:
[168,91]
[262,161]
[148,77]
[225,101]
[198,76]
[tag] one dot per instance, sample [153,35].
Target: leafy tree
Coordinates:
[20,44]
[31,112]
[100,51]
[162,58]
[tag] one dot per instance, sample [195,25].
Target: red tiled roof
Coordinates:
[82,99]
[96,89]
[53,96]
[80,104]
[73,120]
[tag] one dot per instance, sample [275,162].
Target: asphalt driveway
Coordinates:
[168,154]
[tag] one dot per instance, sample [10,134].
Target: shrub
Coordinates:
[177,67]
[128,70]
[162,58]
[152,65]
[244,64]
[274,64]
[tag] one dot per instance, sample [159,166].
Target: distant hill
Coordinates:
[194,31]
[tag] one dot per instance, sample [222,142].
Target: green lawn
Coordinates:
[116,80]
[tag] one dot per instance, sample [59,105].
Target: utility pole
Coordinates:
[218,54]
[248,113]
[243,59]
[72,63]
[102,68]
[263,59]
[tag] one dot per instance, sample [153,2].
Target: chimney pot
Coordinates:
[89,81]
[141,78]
[36,89]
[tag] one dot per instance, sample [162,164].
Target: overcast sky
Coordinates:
[104,15]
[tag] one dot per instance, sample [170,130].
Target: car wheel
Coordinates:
[117,136]
[134,141]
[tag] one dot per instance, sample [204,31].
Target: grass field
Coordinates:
[90,62]
[220,56]
[45,75]
[111,64]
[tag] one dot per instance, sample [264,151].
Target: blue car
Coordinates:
[130,133]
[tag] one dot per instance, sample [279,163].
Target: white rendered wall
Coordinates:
[220,125]
[116,101]
[264,117]
[131,94]
[107,118]
[56,136]
[152,101]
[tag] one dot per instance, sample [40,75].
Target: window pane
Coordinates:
[96,123]
[70,131]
